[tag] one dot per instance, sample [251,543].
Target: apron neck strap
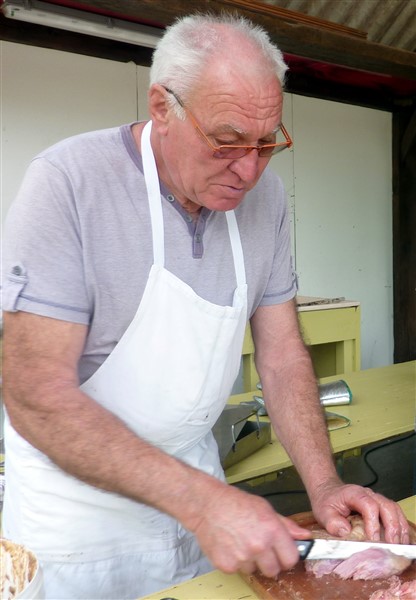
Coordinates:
[236,248]
[153,193]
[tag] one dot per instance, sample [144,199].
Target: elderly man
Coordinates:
[134,258]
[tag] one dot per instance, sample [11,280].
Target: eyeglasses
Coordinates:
[234,151]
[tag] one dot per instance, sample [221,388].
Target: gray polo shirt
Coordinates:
[78,244]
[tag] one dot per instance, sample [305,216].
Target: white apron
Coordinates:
[168,378]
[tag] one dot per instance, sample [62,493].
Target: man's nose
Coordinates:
[247,166]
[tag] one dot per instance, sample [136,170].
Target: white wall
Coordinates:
[339,182]
[48,95]
[338,175]
[344,224]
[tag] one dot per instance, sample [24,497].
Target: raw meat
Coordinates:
[373,563]
[321,567]
[357,532]
[396,591]
[370,564]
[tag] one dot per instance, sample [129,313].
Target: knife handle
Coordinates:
[304,547]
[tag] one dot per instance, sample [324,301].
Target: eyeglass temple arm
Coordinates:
[178,100]
[286,134]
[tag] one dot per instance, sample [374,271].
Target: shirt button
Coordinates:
[198,238]
[17,270]
[188,218]
[170,198]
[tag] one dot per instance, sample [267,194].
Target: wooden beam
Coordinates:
[338,91]
[295,17]
[404,238]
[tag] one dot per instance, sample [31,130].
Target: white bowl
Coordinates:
[20,573]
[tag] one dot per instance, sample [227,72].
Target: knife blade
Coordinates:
[318,549]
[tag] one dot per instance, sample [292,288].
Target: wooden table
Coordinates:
[218,586]
[383,405]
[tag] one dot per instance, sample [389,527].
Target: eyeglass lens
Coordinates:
[240,151]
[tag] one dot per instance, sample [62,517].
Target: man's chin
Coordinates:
[224,203]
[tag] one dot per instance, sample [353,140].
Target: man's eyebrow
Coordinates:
[229,128]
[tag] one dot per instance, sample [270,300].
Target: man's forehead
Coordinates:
[260,96]
[234,113]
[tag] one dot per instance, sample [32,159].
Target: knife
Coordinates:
[318,549]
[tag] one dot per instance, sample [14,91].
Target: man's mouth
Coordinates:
[234,190]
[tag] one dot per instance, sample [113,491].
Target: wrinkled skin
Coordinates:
[333,502]
[242,532]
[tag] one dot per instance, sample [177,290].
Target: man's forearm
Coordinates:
[93,445]
[297,417]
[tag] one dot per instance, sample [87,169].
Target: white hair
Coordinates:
[191,41]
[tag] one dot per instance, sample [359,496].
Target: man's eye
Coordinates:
[269,141]
[225,142]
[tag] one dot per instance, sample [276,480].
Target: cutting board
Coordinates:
[297,584]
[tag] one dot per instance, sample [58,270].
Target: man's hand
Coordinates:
[334,501]
[242,532]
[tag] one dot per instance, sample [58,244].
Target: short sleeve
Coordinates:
[283,283]
[42,259]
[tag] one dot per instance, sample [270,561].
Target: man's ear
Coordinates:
[159,108]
